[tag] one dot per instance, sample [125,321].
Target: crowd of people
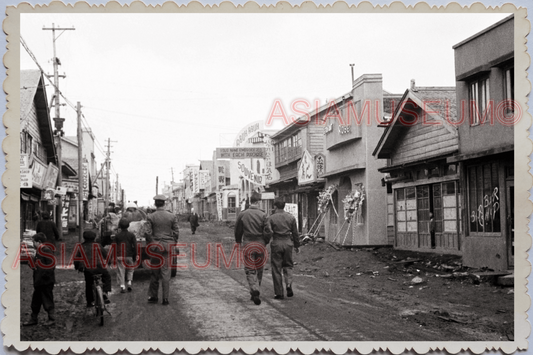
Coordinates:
[252,228]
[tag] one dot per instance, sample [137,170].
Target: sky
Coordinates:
[168,89]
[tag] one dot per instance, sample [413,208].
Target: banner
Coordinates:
[241,153]
[85,181]
[249,175]
[219,206]
[221,177]
[306,172]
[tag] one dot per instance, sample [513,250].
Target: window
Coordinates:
[479,99]
[406,214]
[484,198]
[449,204]
[232,204]
[289,149]
[508,85]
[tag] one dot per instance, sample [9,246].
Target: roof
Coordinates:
[482,32]
[439,104]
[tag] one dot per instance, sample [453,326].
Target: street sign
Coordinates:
[241,153]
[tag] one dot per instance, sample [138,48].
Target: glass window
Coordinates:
[479,99]
[484,198]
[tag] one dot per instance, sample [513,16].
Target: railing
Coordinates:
[289,155]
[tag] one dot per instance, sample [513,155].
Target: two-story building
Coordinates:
[487,112]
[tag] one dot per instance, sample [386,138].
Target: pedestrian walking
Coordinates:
[48,228]
[284,238]
[43,281]
[251,230]
[92,265]
[126,255]
[163,232]
[193,220]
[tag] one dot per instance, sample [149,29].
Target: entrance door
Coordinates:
[510,221]
[423,209]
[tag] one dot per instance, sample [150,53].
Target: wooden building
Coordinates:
[38,161]
[416,144]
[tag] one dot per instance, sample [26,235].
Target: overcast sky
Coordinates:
[170,88]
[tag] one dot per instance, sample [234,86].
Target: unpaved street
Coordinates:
[210,303]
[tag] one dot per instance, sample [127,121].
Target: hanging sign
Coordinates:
[306,172]
[50,180]
[38,174]
[221,177]
[241,153]
[249,175]
[24,161]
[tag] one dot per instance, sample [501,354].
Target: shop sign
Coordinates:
[249,175]
[221,177]
[292,208]
[268,196]
[85,180]
[205,181]
[70,186]
[246,132]
[25,178]
[38,174]
[60,190]
[48,194]
[24,161]
[271,173]
[306,172]
[241,153]
[50,181]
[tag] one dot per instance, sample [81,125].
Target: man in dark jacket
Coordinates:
[163,231]
[251,228]
[193,220]
[284,238]
[48,227]
[89,269]
[43,281]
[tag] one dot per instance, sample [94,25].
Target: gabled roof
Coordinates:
[32,90]
[439,104]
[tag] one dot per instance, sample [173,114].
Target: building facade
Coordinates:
[484,69]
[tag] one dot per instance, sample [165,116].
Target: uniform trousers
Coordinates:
[254,261]
[159,272]
[281,261]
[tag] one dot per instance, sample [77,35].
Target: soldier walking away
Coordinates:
[163,231]
[251,227]
[284,238]
[43,281]
[193,220]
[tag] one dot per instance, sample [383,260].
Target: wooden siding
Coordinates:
[289,171]
[33,125]
[407,240]
[420,142]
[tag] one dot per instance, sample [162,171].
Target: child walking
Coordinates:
[126,255]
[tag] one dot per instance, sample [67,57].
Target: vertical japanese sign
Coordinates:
[271,173]
[221,177]
[195,181]
[219,205]
[86,181]
[205,180]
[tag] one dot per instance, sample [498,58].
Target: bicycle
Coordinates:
[99,304]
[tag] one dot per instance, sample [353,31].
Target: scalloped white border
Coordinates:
[523,181]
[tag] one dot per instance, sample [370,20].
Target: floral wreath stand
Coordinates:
[352,205]
[324,202]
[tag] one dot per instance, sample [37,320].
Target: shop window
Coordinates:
[449,205]
[479,99]
[406,218]
[484,199]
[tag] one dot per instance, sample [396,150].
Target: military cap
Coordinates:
[160,197]
[255,197]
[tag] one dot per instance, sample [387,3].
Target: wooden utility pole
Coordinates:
[58,123]
[80,175]
[107,163]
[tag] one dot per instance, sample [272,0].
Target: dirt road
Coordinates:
[331,303]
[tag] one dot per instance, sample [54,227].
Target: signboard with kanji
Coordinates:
[306,172]
[38,174]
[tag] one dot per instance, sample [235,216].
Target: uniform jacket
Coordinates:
[49,229]
[43,276]
[130,244]
[283,225]
[162,226]
[252,224]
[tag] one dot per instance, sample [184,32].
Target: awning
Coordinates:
[29,197]
[481,154]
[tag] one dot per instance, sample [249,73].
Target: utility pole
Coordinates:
[172,171]
[352,65]
[58,132]
[80,174]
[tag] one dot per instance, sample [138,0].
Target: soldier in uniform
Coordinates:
[251,227]
[163,231]
[284,238]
